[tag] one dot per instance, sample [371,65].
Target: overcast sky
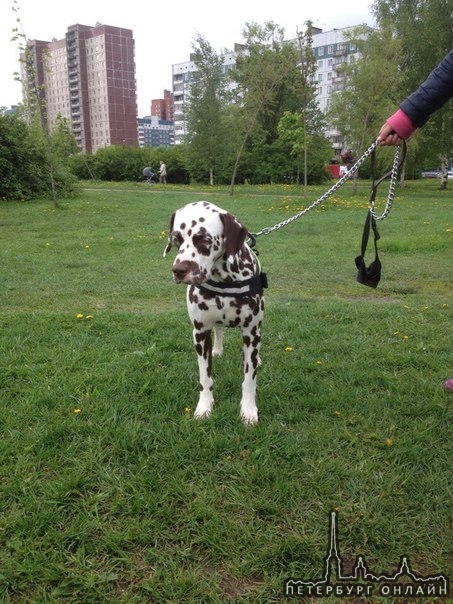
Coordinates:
[163,32]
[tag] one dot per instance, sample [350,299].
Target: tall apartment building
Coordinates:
[331,50]
[89,78]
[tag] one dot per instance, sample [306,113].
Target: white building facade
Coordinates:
[332,51]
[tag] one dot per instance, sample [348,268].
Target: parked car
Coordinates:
[436,173]
[431,173]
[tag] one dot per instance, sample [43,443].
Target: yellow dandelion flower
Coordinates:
[77,410]
[388,442]
[89,317]
[318,362]
[187,410]
[79,316]
[289,348]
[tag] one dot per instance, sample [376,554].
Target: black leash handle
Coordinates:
[371,275]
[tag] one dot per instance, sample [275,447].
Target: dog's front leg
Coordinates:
[203,346]
[217,349]
[251,350]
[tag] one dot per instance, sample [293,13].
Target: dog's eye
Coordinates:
[202,243]
[177,240]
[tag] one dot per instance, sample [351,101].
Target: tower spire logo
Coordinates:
[361,581]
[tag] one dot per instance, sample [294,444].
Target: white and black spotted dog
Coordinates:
[225,288]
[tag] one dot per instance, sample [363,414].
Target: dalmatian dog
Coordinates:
[225,288]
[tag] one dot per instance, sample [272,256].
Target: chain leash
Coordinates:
[397,161]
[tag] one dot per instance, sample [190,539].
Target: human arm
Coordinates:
[415,111]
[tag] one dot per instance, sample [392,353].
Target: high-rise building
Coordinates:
[332,51]
[88,78]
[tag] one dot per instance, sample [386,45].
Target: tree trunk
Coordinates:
[444,166]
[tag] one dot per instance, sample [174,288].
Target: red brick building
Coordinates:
[89,78]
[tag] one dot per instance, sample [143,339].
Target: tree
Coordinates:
[24,166]
[52,167]
[424,31]
[371,86]
[207,132]
[311,119]
[64,143]
[312,149]
[263,70]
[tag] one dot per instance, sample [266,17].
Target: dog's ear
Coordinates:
[170,230]
[234,232]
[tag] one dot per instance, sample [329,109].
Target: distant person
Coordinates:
[163,173]
[416,110]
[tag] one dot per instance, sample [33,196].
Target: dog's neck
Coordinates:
[237,276]
[240,267]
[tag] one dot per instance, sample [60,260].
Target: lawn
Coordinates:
[111,492]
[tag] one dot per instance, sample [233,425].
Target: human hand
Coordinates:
[387,136]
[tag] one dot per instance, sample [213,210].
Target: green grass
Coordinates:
[112,493]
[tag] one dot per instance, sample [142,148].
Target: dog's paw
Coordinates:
[249,419]
[202,411]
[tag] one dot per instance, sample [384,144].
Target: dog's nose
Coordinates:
[181,270]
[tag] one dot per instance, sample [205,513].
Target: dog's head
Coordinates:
[204,235]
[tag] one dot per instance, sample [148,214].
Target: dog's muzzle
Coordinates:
[187,272]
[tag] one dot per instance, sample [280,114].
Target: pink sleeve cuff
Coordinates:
[401,124]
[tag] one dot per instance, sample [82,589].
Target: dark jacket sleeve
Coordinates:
[430,96]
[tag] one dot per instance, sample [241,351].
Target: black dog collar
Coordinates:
[248,287]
